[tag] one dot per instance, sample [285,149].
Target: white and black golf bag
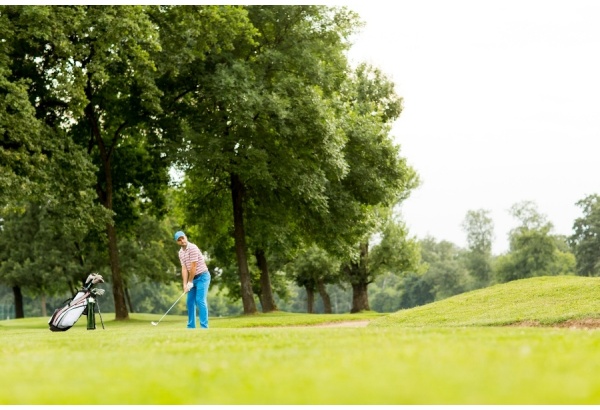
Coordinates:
[66,316]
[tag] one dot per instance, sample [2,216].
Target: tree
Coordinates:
[385,293]
[416,291]
[38,159]
[532,249]
[479,228]
[447,268]
[585,240]
[20,157]
[43,250]
[313,269]
[91,73]
[395,254]
[377,177]
[261,125]
[444,273]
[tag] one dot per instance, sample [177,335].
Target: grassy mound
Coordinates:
[545,300]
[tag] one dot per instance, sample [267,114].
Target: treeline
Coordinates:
[534,250]
[244,126]
[282,146]
[442,269]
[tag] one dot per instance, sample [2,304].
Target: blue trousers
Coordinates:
[196,297]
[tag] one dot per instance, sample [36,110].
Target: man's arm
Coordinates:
[192,271]
[184,277]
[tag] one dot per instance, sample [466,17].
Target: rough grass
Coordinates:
[450,353]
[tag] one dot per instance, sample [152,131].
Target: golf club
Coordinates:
[99,292]
[156,323]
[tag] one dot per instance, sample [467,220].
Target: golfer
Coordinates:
[196,279]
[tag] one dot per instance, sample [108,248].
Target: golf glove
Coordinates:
[189,286]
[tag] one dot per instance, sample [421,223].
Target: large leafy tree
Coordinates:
[377,177]
[262,128]
[585,240]
[46,179]
[20,156]
[97,72]
[38,160]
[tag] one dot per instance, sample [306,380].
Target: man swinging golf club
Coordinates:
[196,279]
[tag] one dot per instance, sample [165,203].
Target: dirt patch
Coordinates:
[350,323]
[568,324]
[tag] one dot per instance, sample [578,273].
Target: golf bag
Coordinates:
[66,316]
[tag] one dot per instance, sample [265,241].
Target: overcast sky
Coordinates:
[501,105]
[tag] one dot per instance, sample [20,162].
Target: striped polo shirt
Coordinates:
[190,254]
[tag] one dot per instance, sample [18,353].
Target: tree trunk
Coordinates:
[358,274]
[44,308]
[267,300]
[360,298]
[106,198]
[128,297]
[121,312]
[239,235]
[19,312]
[324,296]
[310,299]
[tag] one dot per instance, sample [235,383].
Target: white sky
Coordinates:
[501,105]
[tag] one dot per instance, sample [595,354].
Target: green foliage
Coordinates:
[533,250]
[415,291]
[585,240]
[260,114]
[378,177]
[38,160]
[21,159]
[384,293]
[312,266]
[43,249]
[150,251]
[444,273]
[396,253]
[480,233]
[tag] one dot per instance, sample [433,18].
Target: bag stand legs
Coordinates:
[91,317]
[101,321]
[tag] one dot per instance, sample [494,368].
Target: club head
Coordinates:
[153,323]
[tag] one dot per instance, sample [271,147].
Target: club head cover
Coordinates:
[94,278]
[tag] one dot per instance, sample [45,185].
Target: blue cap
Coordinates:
[178,234]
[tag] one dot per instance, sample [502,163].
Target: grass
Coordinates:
[407,357]
[546,300]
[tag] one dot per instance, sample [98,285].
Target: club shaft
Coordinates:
[171,307]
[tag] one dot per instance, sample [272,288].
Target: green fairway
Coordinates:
[285,359]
